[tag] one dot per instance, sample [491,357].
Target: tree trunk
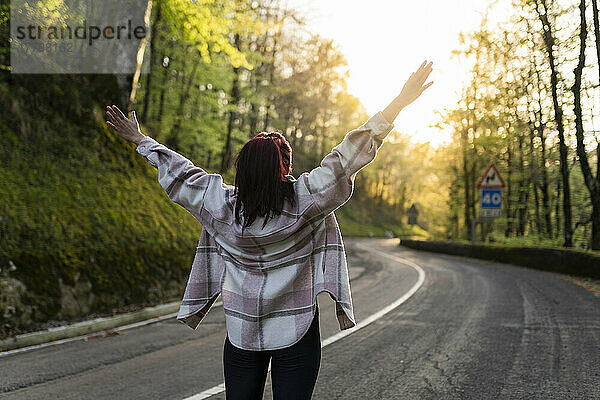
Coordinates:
[557,207]
[474,191]
[208,159]
[523,191]
[140,55]
[591,182]
[153,38]
[467,182]
[173,138]
[161,104]
[509,186]
[271,75]
[596,222]
[597,32]
[255,74]
[596,198]
[545,186]
[549,42]
[253,120]
[534,178]
[235,98]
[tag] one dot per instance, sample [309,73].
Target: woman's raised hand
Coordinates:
[414,85]
[410,92]
[128,129]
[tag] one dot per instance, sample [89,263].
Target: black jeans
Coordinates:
[294,369]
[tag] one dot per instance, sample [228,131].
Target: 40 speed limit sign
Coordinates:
[491,202]
[491,185]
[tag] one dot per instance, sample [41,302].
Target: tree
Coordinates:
[592,183]
[541,9]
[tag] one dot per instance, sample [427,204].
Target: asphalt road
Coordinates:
[473,330]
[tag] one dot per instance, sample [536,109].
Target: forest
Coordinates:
[85,228]
[531,107]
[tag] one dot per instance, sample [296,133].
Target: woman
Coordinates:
[269,245]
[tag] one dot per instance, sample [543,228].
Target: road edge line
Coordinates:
[88,329]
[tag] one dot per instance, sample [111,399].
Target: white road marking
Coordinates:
[370,319]
[93,334]
[210,392]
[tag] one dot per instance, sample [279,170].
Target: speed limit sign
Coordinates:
[491,184]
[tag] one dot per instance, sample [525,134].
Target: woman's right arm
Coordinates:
[331,184]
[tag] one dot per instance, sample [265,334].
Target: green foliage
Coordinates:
[81,213]
[77,205]
[531,240]
[206,24]
[506,116]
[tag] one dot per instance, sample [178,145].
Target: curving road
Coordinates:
[473,330]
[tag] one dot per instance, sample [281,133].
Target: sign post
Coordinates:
[491,185]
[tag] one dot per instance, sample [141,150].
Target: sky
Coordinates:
[385,40]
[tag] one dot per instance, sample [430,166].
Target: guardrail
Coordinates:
[568,261]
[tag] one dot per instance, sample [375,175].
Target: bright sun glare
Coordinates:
[384,41]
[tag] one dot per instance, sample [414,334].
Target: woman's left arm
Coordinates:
[184,183]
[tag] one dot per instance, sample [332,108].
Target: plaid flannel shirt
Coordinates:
[269,278]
